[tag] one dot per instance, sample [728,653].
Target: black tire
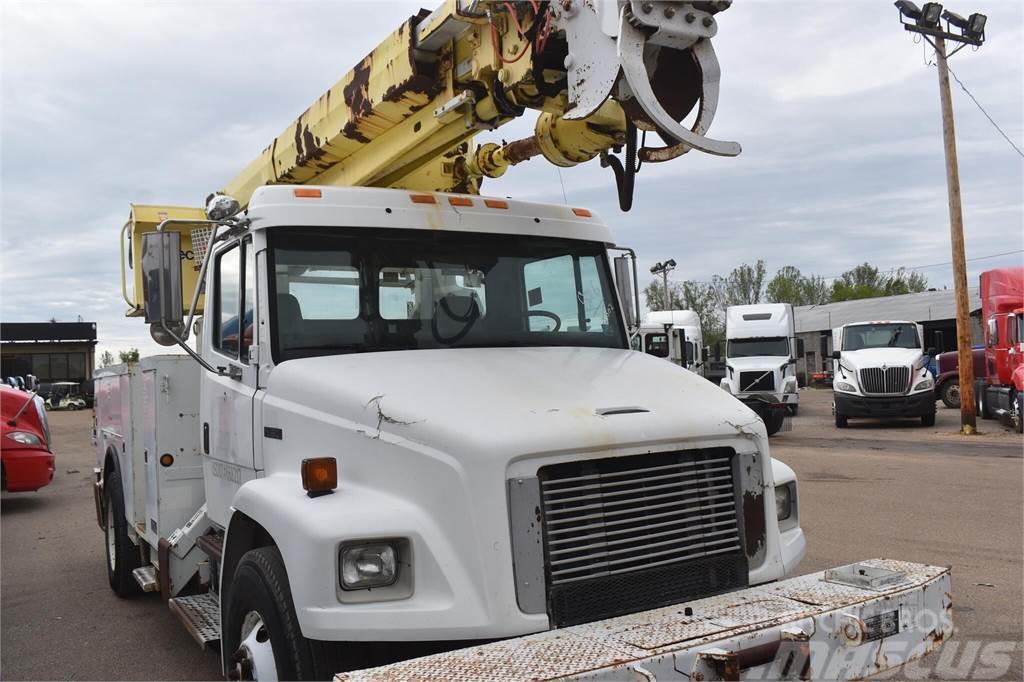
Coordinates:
[928,419]
[794,409]
[950,394]
[1019,401]
[125,555]
[841,421]
[773,420]
[260,585]
[983,408]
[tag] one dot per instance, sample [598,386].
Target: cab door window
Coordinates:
[228,276]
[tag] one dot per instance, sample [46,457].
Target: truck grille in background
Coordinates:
[889,380]
[757,381]
[624,534]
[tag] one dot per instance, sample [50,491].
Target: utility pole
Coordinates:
[663,269]
[965,358]
[972,32]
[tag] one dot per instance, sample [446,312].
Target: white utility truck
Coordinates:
[760,358]
[674,335]
[881,371]
[411,427]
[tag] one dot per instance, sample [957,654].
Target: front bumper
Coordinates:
[829,625]
[27,470]
[916,405]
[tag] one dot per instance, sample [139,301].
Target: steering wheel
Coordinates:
[547,314]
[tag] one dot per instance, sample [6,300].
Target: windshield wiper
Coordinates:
[895,335]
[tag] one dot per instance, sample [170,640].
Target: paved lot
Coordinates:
[894,490]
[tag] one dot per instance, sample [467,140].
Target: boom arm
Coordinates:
[597,70]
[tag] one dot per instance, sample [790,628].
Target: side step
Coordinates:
[200,614]
[147,578]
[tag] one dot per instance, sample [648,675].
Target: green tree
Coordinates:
[703,299]
[654,293]
[106,359]
[865,281]
[743,286]
[789,285]
[130,355]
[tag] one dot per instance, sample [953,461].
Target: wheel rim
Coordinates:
[953,393]
[111,547]
[254,658]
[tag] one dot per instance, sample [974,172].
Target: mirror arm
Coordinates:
[220,371]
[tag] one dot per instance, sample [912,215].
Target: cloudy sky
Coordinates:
[107,103]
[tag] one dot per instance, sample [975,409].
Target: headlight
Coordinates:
[843,386]
[366,566]
[921,385]
[24,437]
[783,502]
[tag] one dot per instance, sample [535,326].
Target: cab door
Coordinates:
[226,399]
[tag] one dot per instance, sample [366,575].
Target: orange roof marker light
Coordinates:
[423,198]
[460,201]
[495,203]
[307,193]
[583,213]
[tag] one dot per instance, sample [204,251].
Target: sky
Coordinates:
[108,103]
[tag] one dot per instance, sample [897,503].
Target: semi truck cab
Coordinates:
[761,352]
[881,371]
[674,335]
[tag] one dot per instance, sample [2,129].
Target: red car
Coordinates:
[27,462]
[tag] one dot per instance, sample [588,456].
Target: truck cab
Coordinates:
[761,352]
[674,335]
[1000,391]
[881,371]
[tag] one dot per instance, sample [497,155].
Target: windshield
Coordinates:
[369,290]
[880,336]
[772,346]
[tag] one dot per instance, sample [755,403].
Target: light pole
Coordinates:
[972,32]
[663,269]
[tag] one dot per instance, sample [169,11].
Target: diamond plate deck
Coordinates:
[667,642]
[200,614]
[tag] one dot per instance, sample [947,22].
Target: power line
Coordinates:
[982,109]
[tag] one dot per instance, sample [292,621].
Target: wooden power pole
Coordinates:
[968,411]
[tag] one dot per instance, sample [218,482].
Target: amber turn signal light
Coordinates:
[319,475]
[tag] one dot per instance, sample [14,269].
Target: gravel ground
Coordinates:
[873,490]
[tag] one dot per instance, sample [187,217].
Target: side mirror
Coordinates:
[705,353]
[931,352]
[161,281]
[718,351]
[791,361]
[836,355]
[624,285]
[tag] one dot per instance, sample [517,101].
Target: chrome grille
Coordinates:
[757,381]
[891,380]
[624,514]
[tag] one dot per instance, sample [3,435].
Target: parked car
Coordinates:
[25,450]
[947,381]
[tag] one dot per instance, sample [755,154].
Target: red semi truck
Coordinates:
[1000,394]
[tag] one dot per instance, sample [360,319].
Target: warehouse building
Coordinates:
[52,351]
[935,310]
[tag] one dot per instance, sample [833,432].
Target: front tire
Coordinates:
[262,637]
[121,553]
[773,420]
[841,421]
[1017,403]
[950,394]
[928,419]
[983,408]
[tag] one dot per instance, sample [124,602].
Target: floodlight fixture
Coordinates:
[908,9]
[976,26]
[955,19]
[930,15]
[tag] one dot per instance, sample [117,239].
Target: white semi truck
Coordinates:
[760,356]
[881,371]
[409,420]
[674,335]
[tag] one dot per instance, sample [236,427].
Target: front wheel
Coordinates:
[773,420]
[928,419]
[261,630]
[983,408]
[950,394]
[122,554]
[1017,412]
[841,421]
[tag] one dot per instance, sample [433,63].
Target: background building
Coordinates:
[936,310]
[52,351]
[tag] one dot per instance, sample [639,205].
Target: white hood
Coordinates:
[505,402]
[876,357]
